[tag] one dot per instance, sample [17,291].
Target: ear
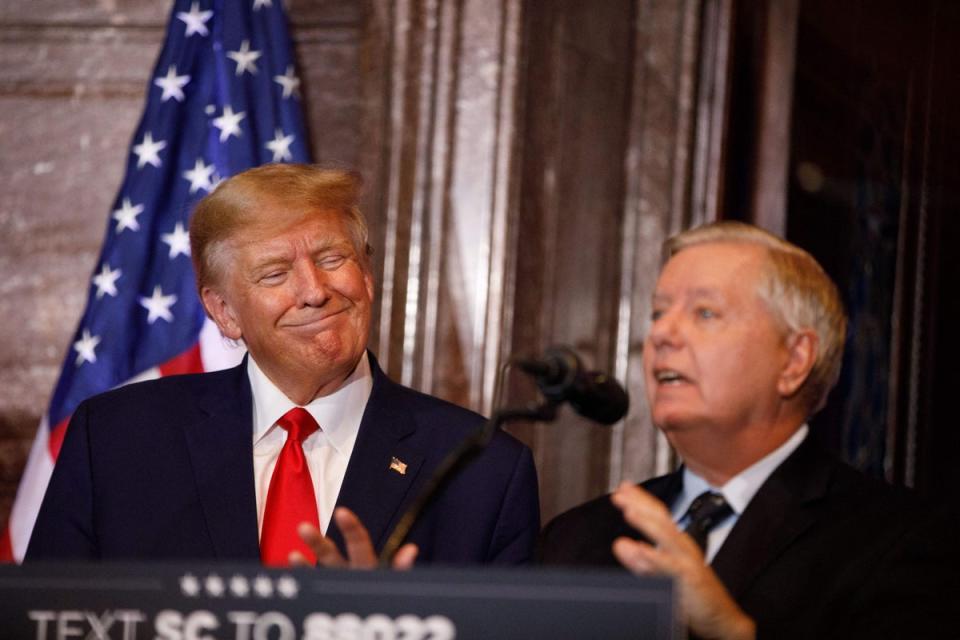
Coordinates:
[221,312]
[368,281]
[801,349]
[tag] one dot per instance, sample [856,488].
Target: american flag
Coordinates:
[223,97]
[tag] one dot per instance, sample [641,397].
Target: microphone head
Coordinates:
[600,398]
[561,378]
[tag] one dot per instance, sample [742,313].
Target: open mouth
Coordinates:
[669,377]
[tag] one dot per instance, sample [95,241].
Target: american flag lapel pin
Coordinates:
[398,465]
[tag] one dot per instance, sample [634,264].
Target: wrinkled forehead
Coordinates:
[720,266]
[312,230]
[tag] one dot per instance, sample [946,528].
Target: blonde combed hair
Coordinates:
[268,196]
[797,291]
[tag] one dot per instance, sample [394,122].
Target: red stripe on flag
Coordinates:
[57,434]
[6,547]
[187,362]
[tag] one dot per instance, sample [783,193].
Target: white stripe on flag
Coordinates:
[217,352]
[33,484]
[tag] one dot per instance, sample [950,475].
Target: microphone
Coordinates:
[561,378]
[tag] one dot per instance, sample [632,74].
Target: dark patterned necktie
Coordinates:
[705,512]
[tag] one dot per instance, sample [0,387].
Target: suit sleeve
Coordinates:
[518,522]
[64,526]
[911,590]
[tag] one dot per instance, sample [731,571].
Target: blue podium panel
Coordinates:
[248,602]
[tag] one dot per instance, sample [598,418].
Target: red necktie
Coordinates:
[290,498]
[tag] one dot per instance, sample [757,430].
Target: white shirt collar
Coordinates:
[740,489]
[338,414]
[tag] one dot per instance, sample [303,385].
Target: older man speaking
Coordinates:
[767,534]
[230,465]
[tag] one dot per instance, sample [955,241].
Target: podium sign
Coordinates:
[248,602]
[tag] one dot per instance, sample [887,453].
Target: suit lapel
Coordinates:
[373,487]
[221,455]
[774,519]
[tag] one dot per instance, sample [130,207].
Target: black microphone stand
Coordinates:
[457,459]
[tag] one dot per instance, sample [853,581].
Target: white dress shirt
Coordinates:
[327,450]
[738,491]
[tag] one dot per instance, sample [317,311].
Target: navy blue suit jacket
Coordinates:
[164,470]
[820,552]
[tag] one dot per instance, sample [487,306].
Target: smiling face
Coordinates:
[299,297]
[715,357]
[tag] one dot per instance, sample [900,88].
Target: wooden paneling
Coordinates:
[533,157]
[872,196]
[444,187]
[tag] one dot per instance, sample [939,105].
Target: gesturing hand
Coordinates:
[360,552]
[708,609]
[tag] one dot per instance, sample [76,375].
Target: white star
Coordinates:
[287,587]
[246,60]
[189,585]
[262,3]
[195,20]
[85,347]
[289,82]
[172,85]
[126,216]
[179,241]
[106,281]
[229,123]
[199,176]
[239,586]
[148,150]
[214,585]
[280,146]
[158,305]
[263,586]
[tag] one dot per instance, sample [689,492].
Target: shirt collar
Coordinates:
[739,490]
[338,414]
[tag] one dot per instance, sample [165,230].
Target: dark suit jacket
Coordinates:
[820,552]
[164,470]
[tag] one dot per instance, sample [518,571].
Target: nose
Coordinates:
[665,329]
[312,286]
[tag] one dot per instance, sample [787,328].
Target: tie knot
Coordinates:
[709,508]
[705,512]
[298,423]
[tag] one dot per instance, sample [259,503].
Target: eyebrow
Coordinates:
[699,293]
[281,254]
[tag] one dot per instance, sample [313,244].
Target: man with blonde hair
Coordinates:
[766,534]
[304,452]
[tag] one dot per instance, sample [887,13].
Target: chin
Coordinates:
[671,421]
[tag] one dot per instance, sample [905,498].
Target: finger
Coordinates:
[641,557]
[326,551]
[647,514]
[630,496]
[651,517]
[360,553]
[634,555]
[405,557]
